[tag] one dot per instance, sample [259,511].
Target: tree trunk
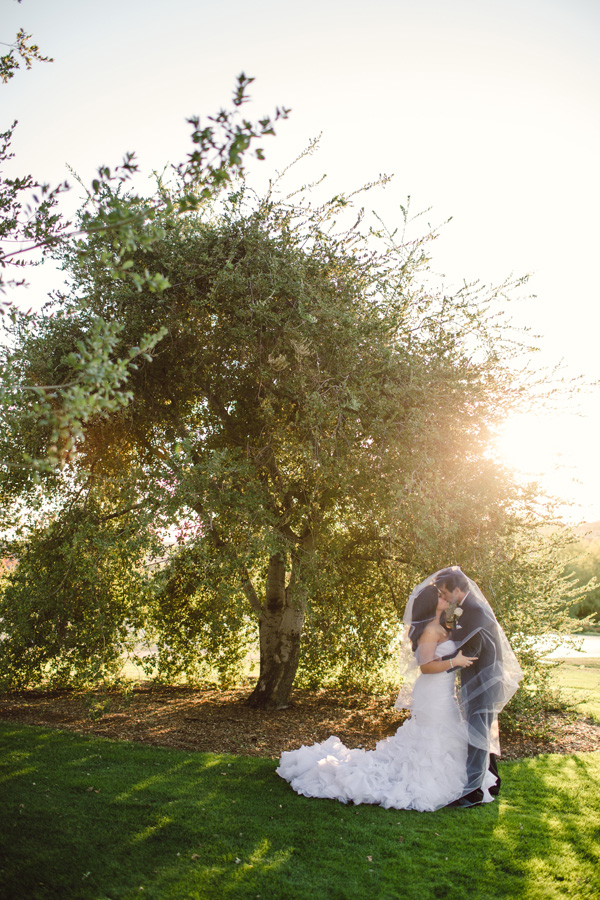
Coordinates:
[280,628]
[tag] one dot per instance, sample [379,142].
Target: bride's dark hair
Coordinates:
[423,611]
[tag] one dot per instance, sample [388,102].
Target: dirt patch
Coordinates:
[219,722]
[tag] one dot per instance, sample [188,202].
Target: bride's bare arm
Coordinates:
[431,666]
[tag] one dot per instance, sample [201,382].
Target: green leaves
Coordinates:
[128,226]
[75,600]
[221,145]
[28,53]
[94,388]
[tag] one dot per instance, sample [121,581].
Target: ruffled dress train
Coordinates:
[422,766]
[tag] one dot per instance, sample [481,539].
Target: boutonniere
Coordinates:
[453,614]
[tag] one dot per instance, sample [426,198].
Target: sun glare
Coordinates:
[526,445]
[555,451]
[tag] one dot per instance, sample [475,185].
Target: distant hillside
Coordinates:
[590,530]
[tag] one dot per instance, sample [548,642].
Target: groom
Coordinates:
[476,633]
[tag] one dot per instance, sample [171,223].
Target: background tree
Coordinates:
[75,603]
[317,417]
[581,561]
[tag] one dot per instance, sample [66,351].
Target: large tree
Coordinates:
[316,418]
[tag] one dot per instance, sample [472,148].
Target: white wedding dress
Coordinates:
[422,766]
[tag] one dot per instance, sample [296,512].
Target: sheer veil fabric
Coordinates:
[488,685]
[425,765]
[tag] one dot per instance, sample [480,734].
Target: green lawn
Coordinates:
[580,680]
[90,819]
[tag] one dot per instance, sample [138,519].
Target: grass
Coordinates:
[90,819]
[580,681]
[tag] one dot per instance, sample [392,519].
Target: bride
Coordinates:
[422,766]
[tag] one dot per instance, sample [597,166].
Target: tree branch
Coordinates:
[250,592]
[123,512]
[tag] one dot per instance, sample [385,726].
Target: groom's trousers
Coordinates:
[478,760]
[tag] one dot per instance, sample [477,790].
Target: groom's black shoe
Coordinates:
[493,768]
[495,790]
[474,798]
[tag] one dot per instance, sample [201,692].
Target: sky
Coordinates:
[485,112]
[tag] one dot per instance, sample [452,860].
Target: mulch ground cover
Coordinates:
[217,721]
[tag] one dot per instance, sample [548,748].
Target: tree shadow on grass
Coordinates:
[112,820]
[545,843]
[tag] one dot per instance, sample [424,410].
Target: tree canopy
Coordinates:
[308,439]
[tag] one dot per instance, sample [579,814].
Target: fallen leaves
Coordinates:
[218,721]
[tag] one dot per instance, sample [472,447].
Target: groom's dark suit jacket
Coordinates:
[478,622]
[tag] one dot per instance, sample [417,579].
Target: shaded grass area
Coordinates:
[580,681]
[91,819]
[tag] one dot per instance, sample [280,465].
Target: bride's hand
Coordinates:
[461,660]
